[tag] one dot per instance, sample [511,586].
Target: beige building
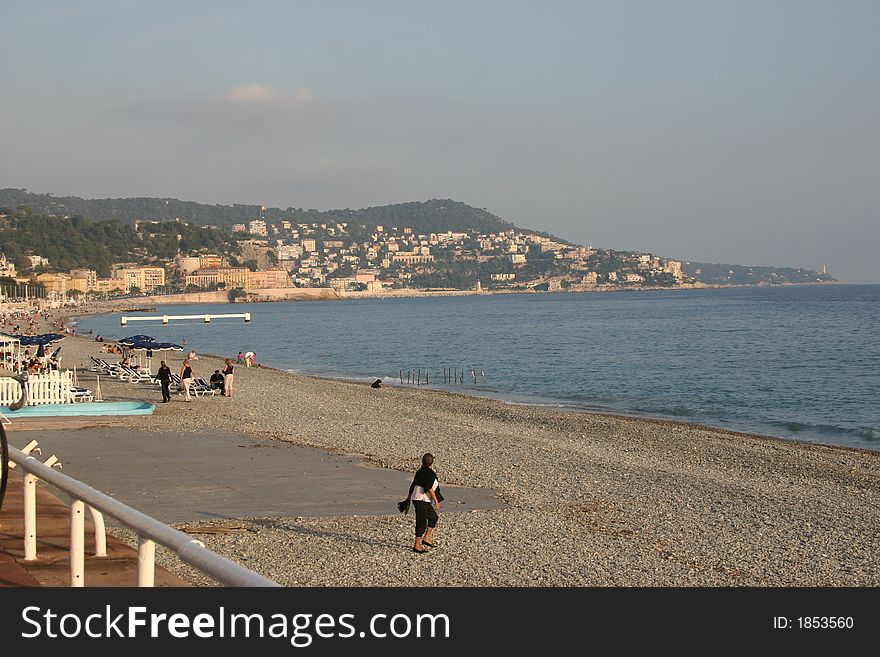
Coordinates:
[54,283]
[267,279]
[90,276]
[232,277]
[7,269]
[257,227]
[410,257]
[105,285]
[146,279]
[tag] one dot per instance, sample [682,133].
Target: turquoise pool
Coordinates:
[86,408]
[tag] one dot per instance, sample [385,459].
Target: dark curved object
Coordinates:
[4,464]
[21,400]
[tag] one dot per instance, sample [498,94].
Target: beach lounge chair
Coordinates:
[82,395]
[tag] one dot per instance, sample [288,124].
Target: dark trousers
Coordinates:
[426,517]
[166,390]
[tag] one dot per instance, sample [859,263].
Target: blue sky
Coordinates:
[742,132]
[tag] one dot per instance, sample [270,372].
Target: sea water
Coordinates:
[791,362]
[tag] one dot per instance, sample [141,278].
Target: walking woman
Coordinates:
[424,492]
[227,378]
[186,378]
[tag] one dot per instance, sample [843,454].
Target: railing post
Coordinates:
[146,562]
[77,543]
[30,517]
[100,532]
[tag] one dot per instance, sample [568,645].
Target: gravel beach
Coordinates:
[594,500]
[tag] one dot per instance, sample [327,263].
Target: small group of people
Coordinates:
[247,359]
[221,381]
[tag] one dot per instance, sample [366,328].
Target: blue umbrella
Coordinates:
[44,339]
[166,346]
[135,338]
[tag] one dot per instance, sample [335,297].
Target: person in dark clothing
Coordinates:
[163,374]
[217,382]
[376,384]
[423,493]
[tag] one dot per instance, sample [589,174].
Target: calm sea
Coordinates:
[792,362]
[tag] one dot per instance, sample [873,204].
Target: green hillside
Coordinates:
[423,217]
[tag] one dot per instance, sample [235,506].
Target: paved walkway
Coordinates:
[184,478]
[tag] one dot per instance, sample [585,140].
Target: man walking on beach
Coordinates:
[423,493]
[164,376]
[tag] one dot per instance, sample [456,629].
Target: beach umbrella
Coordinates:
[43,339]
[135,338]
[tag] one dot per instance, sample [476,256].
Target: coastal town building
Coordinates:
[257,227]
[146,279]
[7,267]
[230,277]
[267,279]
[36,261]
[239,228]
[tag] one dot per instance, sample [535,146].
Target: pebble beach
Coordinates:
[591,499]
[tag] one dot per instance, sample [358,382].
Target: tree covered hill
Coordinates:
[423,217]
[76,242]
[723,274]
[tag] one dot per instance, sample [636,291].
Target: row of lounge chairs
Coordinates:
[125,373]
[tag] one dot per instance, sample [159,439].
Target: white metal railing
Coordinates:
[149,530]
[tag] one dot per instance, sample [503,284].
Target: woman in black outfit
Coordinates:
[424,492]
[164,376]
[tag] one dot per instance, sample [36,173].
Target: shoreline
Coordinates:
[564,406]
[594,500]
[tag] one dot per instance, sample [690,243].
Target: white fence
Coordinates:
[51,388]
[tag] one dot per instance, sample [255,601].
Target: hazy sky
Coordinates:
[743,132]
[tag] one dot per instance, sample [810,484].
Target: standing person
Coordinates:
[227,378]
[240,358]
[186,378]
[163,374]
[423,493]
[249,359]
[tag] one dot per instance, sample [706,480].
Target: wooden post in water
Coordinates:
[427,383]
[461,380]
[401,377]
[474,372]
[408,373]
[419,377]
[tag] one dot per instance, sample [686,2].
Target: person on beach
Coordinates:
[423,494]
[240,358]
[186,378]
[216,382]
[163,374]
[376,384]
[249,359]
[228,376]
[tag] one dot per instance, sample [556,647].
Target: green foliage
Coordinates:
[235,293]
[82,243]
[423,217]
